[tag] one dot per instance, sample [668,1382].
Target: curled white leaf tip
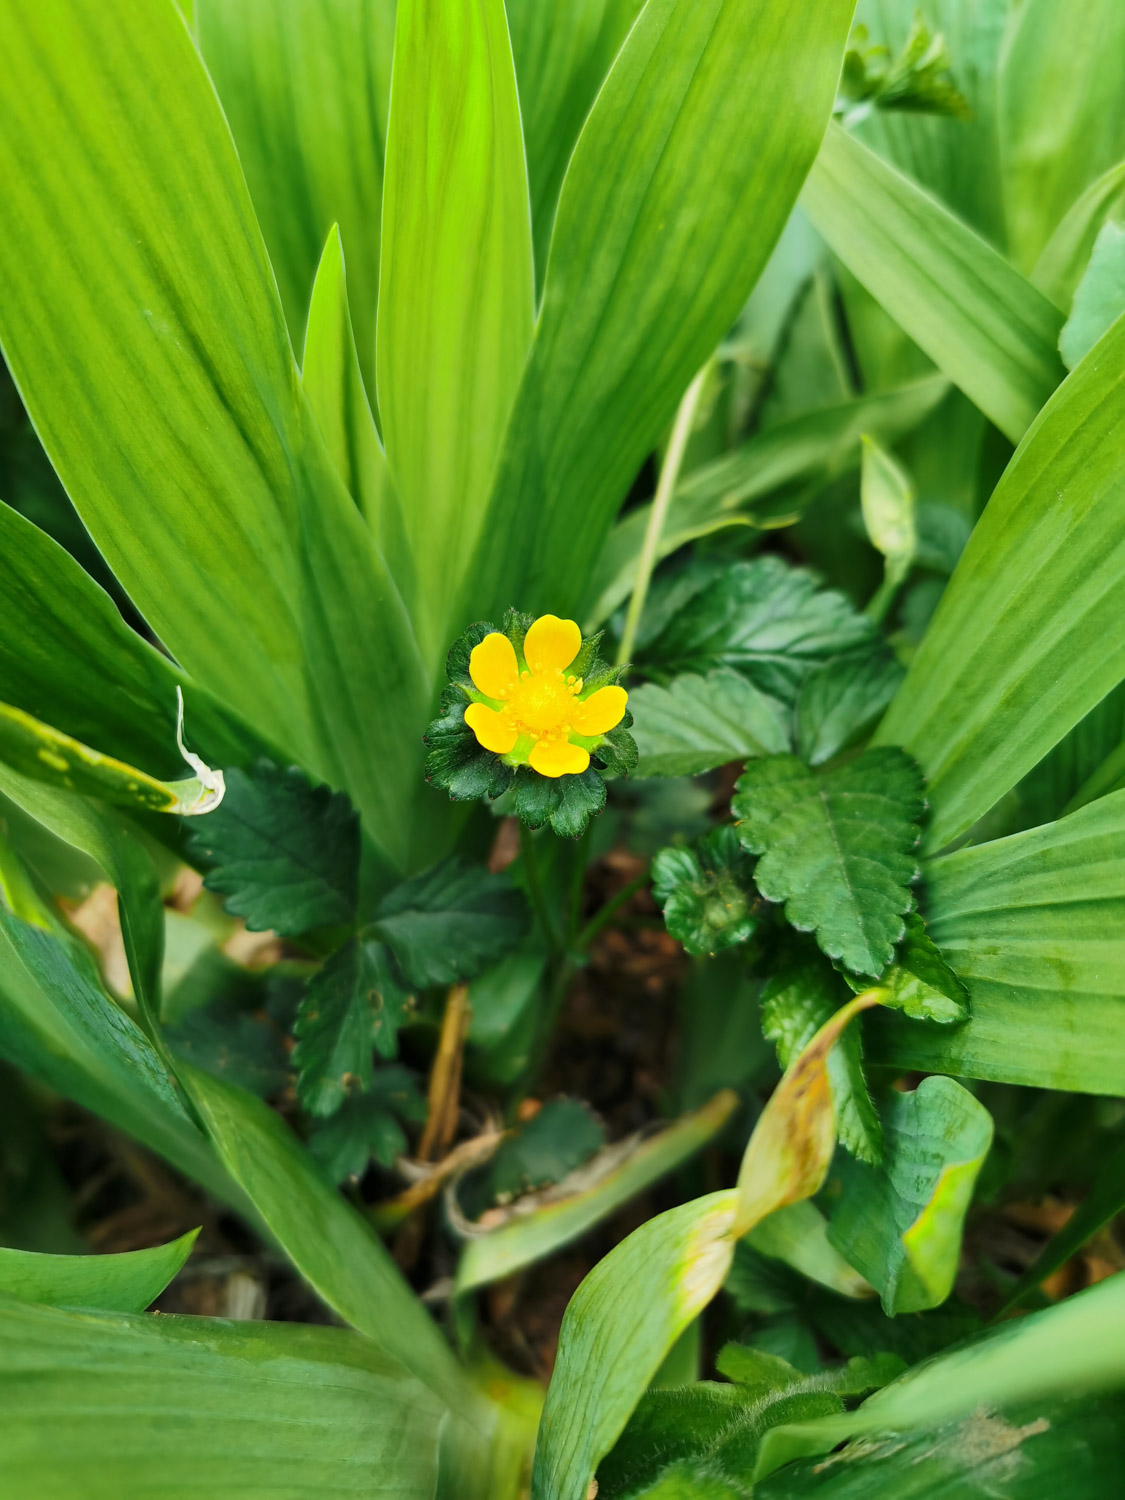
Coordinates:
[209,786]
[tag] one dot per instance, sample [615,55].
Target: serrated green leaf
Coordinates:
[800,995]
[1099,299]
[456,284]
[566,802]
[920,983]
[837,847]
[972,312]
[697,723]
[283,852]
[900,1224]
[1026,639]
[841,699]
[126,1283]
[367,1125]
[229,1041]
[763,618]
[451,922]
[353,1004]
[560,1137]
[707,892]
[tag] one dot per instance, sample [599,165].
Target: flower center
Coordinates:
[541,701]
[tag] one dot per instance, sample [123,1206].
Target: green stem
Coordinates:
[609,911]
[535,889]
[665,489]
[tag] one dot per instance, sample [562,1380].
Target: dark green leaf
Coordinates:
[920,983]
[226,1039]
[841,699]
[284,853]
[707,892]
[797,999]
[556,1140]
[837,847]
[764,618]
[367,1125]
[697,723]
[900,1224]
[451,922]
[355,1003]
[457,761]
[665,1426]
[567,802]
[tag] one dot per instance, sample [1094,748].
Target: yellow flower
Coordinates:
[536,715]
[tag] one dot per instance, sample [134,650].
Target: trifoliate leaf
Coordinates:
[770,621]
[920,983]
[355,1003]
[841,699]
[900,1224]
[800,995]
[707,892]
[451,922]
[566,802]
[367,1125]
[284,853]
[556,1140]
[837,847]
[697,723]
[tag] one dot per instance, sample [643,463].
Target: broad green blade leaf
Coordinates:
[618,1327]
[38,751]
[1026,640]
[815,447]
[706,892]
[108,839]
[326,1239]
[355,1003]
[125,1408]
[118,1283]
[841,699]
[451,922]
[1054,1447]
[285,854]
[1067,253]
[1073,1348]
[900,1223]
[837,846]
[333,386]
[977,318]
[562,54]
[682,179]
[763,618]
[176,419]
[67,657]
[800,995]
[558,1219]
[305,85]
[58,1025]
[456,287]
[697,723]
[1099,299]
[1060,117]
[1084,765]
[1034,926]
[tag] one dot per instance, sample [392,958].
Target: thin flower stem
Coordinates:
[665,488]
[606,913]
[535,889]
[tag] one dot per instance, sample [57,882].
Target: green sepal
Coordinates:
[566,802]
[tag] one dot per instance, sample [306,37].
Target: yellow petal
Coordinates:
[494,731]
[558,758]
[492,666]
[551,644]
[601,712]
